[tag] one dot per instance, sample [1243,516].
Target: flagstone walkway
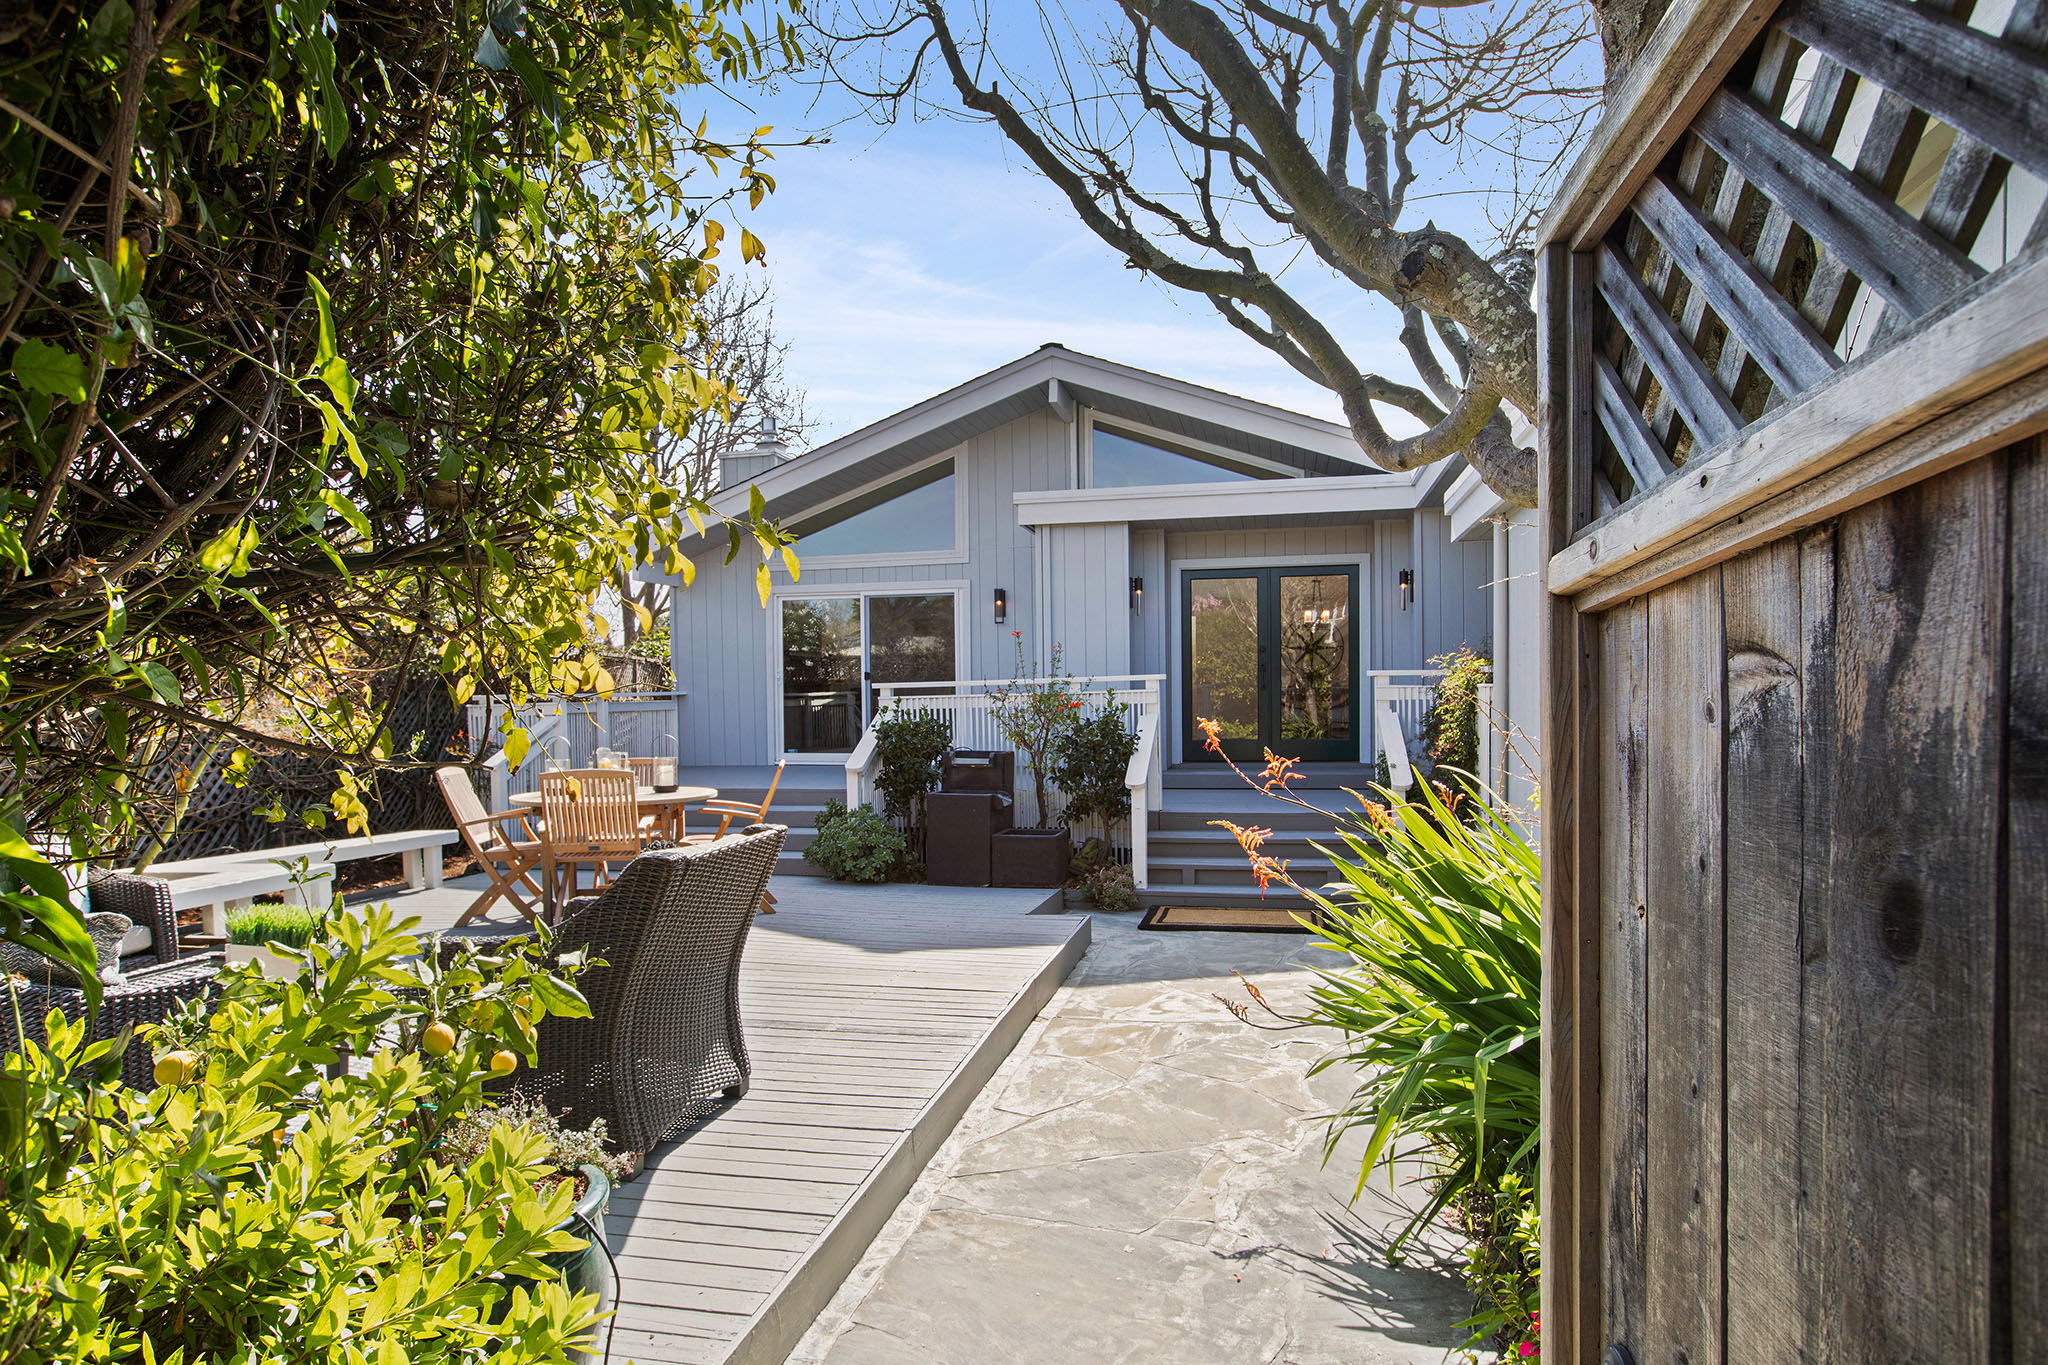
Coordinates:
[1142,1181]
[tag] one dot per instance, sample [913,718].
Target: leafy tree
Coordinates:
[1211,144]
[334,328]
[910,747]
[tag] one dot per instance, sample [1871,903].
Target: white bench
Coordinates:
[303,873]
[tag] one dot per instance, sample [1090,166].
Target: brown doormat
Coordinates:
[1230,919]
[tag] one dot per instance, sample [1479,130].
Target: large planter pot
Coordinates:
[274,965]
[588,1271]
[1031,857]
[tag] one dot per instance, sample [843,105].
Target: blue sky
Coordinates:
[909,259]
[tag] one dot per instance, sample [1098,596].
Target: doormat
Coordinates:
[1229,919]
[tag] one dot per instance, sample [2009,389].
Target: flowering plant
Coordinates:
[1033,711]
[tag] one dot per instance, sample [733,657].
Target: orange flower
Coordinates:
[1266,869]
[1214,731]
[1279,771]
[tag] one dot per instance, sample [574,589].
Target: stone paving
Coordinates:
[1143,1181]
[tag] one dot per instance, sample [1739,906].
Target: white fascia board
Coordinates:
[1471,506]
[1042,370]
[1199,501]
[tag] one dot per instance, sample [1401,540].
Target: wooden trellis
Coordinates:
[1795,371]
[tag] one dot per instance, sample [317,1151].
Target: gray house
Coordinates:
[1191,554]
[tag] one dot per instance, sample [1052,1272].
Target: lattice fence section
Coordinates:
[224,818]
[1866,163]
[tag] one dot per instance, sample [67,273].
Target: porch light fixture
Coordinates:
[1407,588]
[1137,593]
[1002,606]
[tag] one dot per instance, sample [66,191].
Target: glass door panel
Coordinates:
[910,640]
[1223,664]
[1315,656]
[821,668]
[1271,656]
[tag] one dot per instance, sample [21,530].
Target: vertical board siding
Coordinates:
[1683,1247]
[2026,908]
[722,632]
[1902,1179]
[1090,571]
[1149,632]
[1768,1313]
[1622,766]
[1822,773]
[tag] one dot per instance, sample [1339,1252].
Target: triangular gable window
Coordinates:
[1121,461]
[914,516]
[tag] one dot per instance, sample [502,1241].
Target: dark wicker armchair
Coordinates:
[663,1046]
[157,982]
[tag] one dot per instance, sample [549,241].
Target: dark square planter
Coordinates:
[1031,857]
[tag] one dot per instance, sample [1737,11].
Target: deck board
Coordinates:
[873,1016]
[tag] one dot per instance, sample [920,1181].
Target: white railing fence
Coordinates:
[969,708]
[1400,705]
[567,732]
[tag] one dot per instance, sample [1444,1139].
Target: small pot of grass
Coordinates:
[257,932]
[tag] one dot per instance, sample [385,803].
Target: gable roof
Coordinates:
[1051,376]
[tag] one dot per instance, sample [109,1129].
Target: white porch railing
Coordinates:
[969,708]
[567,732]
[1400,705]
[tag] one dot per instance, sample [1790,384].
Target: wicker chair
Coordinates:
[157,981]
[663,1046]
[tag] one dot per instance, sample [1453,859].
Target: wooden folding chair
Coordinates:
[749,815]
[492,840]
[592,815]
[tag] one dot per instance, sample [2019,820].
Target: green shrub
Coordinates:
[1032,711]
[1091,857]
[855,845]
[1089,759]
[908,748]
[1503,1253]
[469,1137]
[265,922]
[261,1210]
[1111,889]
[1450,729]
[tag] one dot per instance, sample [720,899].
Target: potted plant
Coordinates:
[256,932]
[1033,712]
[571,1155]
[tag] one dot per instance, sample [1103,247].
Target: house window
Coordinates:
[913,516]
[1121,461]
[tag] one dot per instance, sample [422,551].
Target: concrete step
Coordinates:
[1313,776]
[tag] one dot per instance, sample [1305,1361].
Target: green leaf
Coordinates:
[49,369]
[162,682]
[347,511]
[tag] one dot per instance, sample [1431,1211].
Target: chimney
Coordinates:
[743,467]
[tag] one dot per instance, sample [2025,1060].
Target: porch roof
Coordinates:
[1240,506]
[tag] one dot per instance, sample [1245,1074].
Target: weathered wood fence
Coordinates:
[1795,312]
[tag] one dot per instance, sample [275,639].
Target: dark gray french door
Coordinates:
[1271,656]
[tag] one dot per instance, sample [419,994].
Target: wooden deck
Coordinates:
[873,1016]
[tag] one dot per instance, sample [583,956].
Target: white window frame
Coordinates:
[957,587]
[1167,440]
[890,558]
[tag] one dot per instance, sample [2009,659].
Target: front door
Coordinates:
[1270,655]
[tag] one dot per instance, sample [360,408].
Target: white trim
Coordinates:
[960,589]
[1167,440]
[1033,372]
[1364,494]
[961,506]
[1470,504]
[1361,624]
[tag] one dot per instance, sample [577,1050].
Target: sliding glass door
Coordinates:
[1269,655]
[837,651]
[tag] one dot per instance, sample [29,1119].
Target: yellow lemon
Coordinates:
[438,1040]
[504,1063]
[176,1067]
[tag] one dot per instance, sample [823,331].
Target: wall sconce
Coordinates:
[1137,593]
[1407,588]
[1002,606]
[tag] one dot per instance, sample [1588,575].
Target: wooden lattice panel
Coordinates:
[1866,163]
